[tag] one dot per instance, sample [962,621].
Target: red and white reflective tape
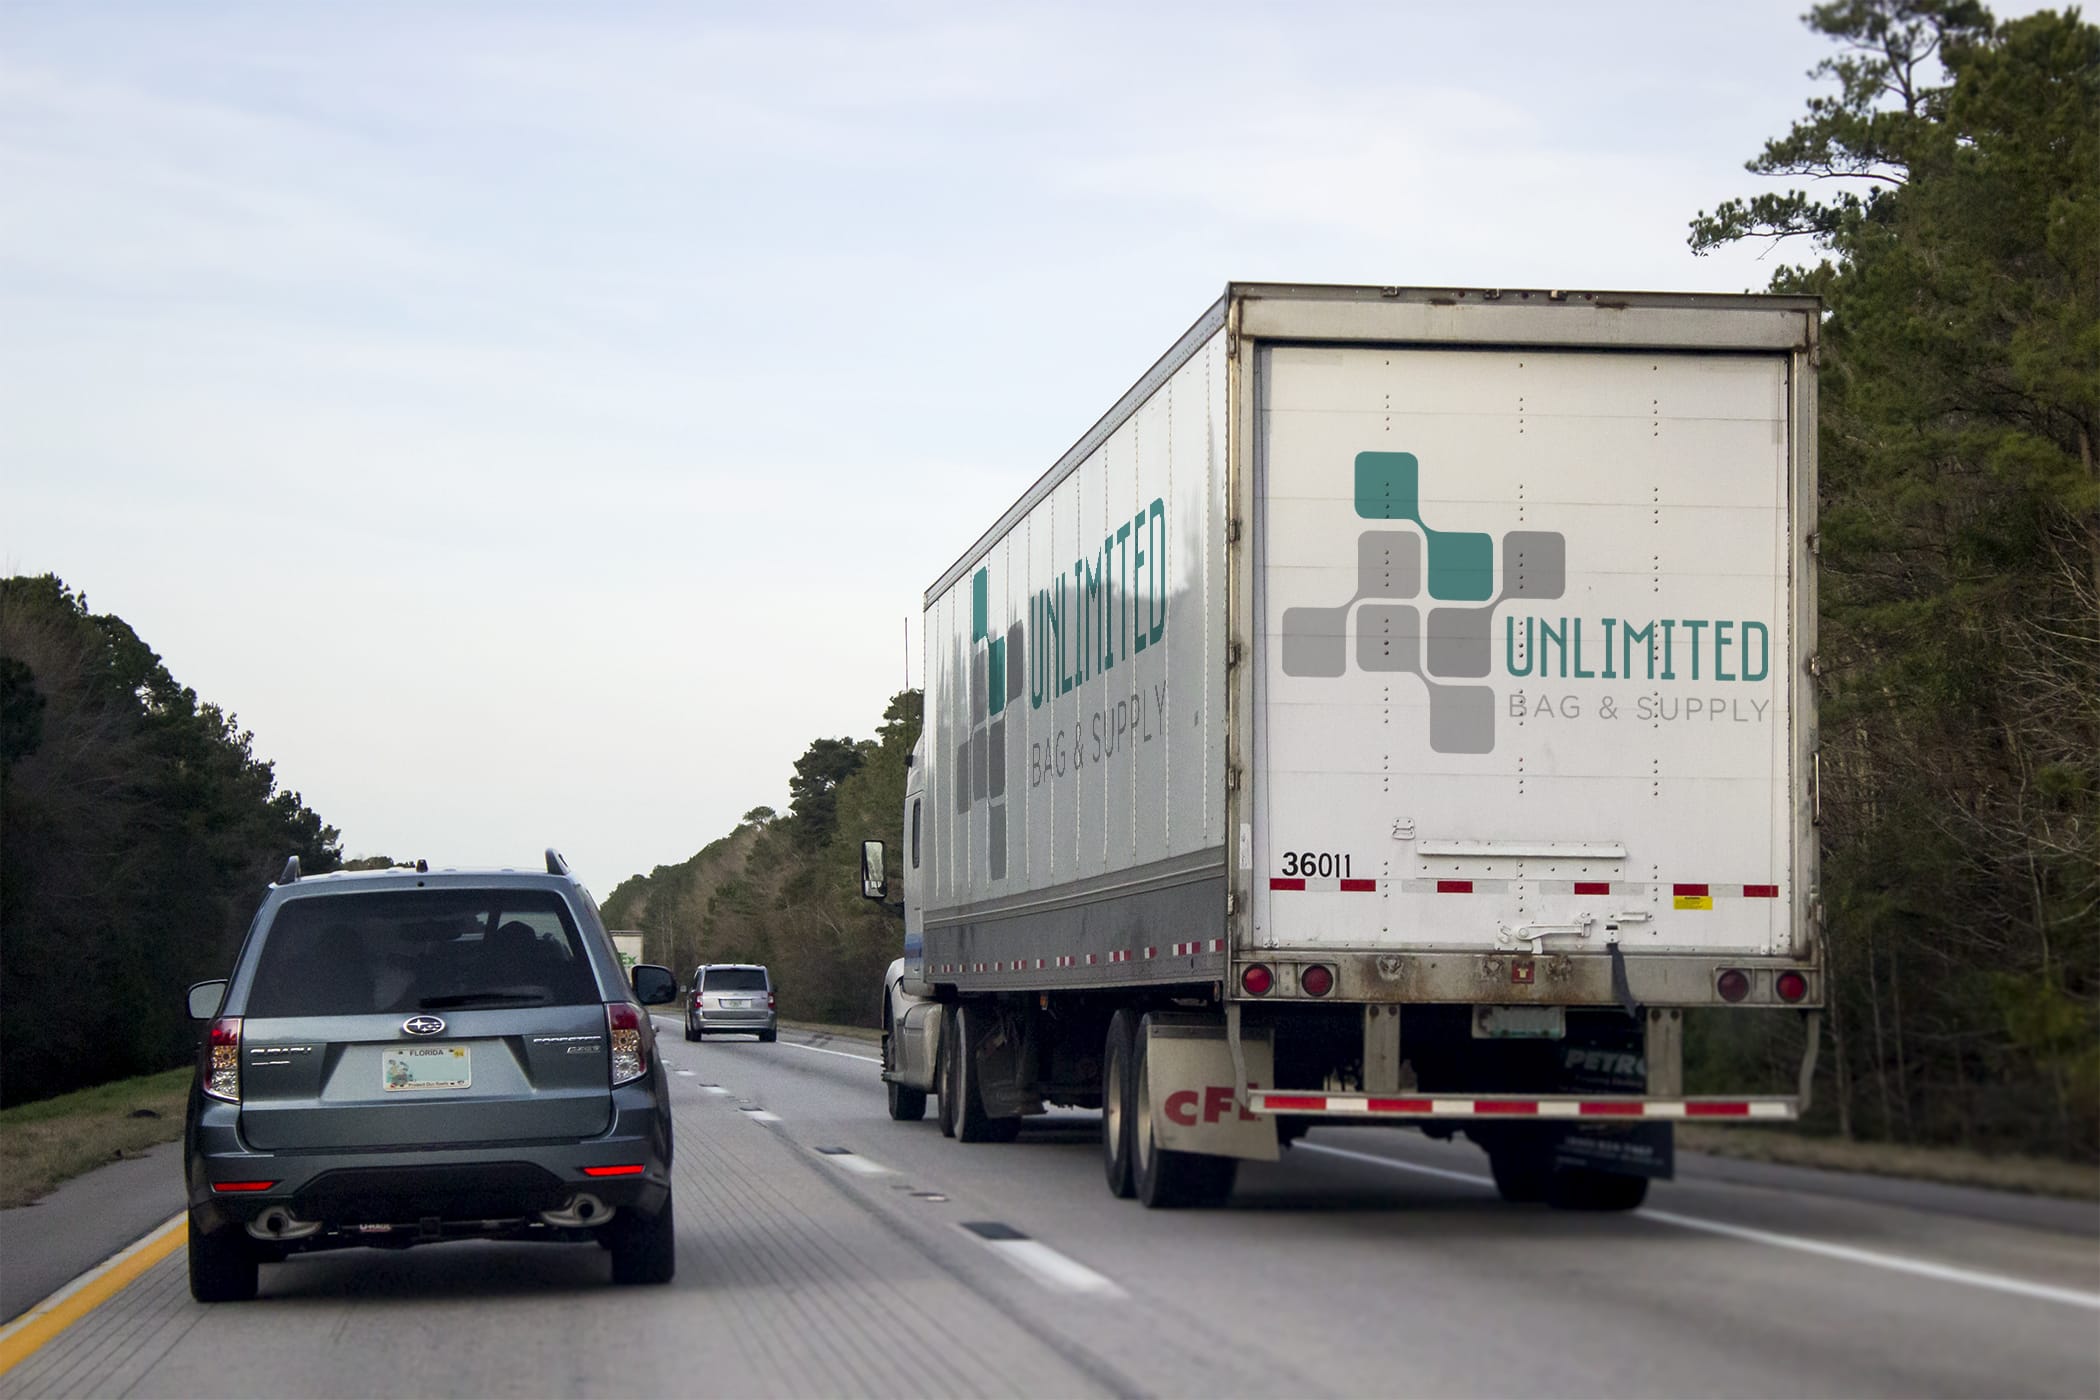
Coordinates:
[1554,1106]
[1344,886]
[1119,955]
[1616,888]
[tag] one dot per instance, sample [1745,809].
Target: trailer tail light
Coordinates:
[625,1023]
[1733,985]
[1791,986]
[1257,980]
[222,1064]
[1317,980]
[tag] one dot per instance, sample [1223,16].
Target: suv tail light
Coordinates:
[222,1059]
[625,1023]
[771,1004]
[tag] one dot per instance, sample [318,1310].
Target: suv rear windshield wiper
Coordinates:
[478,998]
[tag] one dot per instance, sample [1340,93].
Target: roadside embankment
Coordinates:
[45,1143]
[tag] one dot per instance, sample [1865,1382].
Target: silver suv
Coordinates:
[732,997]
[406,1056]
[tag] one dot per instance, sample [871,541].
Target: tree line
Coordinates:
[137,832]
[1953,216]
[782,888]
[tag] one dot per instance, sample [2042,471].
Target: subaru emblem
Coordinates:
[423,1025]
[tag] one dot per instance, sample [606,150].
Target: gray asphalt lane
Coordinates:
[1347,1275]
[1383,1264]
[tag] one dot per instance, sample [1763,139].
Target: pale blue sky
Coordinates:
[537,421]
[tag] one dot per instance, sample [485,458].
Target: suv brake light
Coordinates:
[770,1002]
[625,1024]
[222,1065]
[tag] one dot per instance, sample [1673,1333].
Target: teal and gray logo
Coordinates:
[995,682]
[1446,639]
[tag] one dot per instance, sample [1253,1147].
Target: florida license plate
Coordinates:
[427,1067]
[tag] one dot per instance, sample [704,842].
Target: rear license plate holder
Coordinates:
[416,1068]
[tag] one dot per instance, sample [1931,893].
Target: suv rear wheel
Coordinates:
[644,1249]
[222,1265]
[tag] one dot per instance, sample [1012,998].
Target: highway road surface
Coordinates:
[827,1251]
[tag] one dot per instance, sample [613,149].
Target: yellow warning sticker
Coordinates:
[1694,901]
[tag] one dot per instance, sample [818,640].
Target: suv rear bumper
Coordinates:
[405,1185]
[733,1020]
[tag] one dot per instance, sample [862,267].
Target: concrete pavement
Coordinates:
[827,1250]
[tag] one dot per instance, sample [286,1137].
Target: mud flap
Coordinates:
[1634,1149]
[1612,1065]
[1194,1107]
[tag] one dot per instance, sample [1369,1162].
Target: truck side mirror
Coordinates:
[874,871]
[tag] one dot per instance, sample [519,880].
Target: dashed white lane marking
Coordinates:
[820,1050]
[683,1073]
[712,1089]
[1894,1263]
[1040,1262]
[852,1161]
[759,1115]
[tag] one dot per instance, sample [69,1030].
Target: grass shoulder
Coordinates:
[53,1140]
[1951,1166]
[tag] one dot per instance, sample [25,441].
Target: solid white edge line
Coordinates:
[1895,1263]
[1377,1161]
[820,1050]
[1051,1269]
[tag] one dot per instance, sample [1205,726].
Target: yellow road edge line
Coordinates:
[35,1329]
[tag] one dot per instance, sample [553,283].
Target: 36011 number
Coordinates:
[1316,865]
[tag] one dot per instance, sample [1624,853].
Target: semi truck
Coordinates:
[1397,708]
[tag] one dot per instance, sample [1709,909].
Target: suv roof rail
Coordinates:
[555,864]
[290,874]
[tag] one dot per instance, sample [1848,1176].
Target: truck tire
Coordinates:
[1169,1180]
[944,1072]
[1521,1173]
[972,1123]
[223,1269]
[1116,1099]
[906,1105]
[1577,1189]
[644,1249]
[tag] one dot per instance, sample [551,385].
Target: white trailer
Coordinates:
[1396,708]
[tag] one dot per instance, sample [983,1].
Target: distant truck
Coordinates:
[1395,709]
[628,944]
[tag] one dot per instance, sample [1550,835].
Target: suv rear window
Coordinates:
[734,979]
[420,950]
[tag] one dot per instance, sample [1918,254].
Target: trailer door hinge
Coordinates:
[1232,531]
[1232,654]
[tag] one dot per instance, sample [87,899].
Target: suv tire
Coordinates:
[645,1248]
[223,1269]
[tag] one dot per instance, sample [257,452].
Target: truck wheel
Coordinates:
[1116,1116]
[644,1250]
[1591,1190]
[972,1123]
[222,1266]
[1521,1174]
[944,1073]
[906,1105]
[1166,1179]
